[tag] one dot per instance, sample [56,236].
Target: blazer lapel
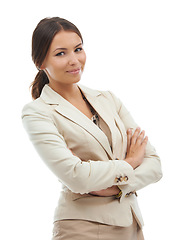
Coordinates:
[70,112]
[99,107]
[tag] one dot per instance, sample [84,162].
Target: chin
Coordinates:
[75,80]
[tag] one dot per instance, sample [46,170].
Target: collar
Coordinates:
[49,96]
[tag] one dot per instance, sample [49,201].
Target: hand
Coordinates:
[136,145]
[111,191]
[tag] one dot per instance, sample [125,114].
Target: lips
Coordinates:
[74,71]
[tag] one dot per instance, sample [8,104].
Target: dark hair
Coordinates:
[42,37]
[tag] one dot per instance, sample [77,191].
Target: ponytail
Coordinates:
[39,82]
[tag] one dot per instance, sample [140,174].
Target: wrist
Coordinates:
[132,162]
[129,160]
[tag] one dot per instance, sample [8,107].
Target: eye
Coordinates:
[60,54]
[78,49]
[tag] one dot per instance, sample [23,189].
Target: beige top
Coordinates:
[103,126]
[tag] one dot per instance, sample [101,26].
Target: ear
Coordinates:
[42,67]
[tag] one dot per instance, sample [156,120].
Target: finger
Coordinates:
[72,152]
[140,138]
[135,135]
[145,141]
[129,136]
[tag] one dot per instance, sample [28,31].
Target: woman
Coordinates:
[89,141]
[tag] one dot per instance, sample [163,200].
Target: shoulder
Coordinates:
[36,106]
[95,92]
[104,95]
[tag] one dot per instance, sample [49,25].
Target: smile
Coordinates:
[75,71]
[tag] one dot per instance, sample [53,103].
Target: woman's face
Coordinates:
[65,59]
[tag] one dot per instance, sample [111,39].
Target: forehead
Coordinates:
[65,39]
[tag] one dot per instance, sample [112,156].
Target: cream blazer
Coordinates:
[79,154]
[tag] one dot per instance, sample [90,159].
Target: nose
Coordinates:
[73,60]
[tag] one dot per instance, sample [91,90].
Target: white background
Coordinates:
[132,49]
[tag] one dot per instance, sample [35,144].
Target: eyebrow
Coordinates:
[66,48]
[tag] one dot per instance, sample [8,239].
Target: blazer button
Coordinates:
[129,194]
[126,178]
[118,179]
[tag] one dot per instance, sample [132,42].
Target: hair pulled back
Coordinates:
[42,37]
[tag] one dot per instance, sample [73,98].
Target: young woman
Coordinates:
[89,141]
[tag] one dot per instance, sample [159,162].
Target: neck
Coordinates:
[68,91]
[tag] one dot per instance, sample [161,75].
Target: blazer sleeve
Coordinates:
[79,176]
[150,170]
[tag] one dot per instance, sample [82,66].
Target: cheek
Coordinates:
[83,59]
[56,67]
